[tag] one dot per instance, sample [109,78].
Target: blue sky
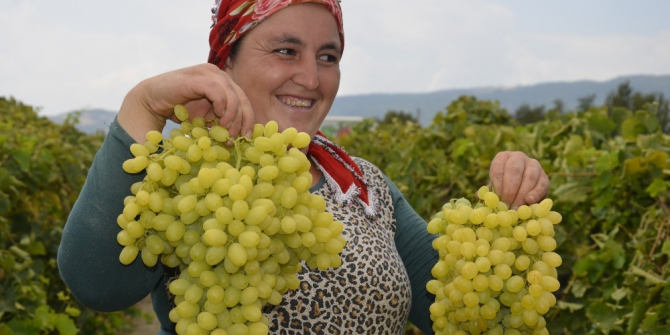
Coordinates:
[63,55]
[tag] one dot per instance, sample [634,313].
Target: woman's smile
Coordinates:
[296,102]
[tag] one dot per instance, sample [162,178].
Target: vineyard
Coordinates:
[609,178]
[609,173]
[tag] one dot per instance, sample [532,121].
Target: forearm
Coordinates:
[135,116]
[88,256]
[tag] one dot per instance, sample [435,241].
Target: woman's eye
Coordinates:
[286,51]
[329,58]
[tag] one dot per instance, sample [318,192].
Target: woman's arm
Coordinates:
[88,256]
[415,247]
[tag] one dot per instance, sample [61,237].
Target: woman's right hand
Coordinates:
[205,90]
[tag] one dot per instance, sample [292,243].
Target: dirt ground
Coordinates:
[141,325]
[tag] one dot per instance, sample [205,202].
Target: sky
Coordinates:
[69,55]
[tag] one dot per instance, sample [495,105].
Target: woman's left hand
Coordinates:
[518,179]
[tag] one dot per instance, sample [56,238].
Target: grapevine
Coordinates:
[234,216]
[496,272]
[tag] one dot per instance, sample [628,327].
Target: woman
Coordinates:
[274,60]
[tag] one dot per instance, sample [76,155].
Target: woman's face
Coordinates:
[288,66]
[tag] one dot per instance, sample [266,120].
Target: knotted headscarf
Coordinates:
[232,19]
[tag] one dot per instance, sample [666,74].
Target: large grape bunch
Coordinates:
[235,216]
[496,272]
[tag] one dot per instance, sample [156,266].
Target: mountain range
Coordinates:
[426,105]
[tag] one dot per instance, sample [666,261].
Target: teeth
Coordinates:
[297,102]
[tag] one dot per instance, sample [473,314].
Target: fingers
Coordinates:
[531,175]
[540,191]
[244,121]
[518,179]
[227,100]
[248,118]
[496,172]
[513,174]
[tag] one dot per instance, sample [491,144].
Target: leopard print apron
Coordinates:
[369,293]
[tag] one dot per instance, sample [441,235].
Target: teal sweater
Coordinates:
[88,256]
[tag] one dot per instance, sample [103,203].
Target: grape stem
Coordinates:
[238,152]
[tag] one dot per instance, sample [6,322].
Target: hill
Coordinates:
[426,105]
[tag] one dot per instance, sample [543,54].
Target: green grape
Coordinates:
[155,244]
[237,254]
[215,237]
[552,259]
[207,321]
[301,140]
[193,293]
[469,270]
[491,200]
[124,238]
[522,262]
[128,254]
[520,234]
[546,243]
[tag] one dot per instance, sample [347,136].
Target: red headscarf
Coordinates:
[232,19]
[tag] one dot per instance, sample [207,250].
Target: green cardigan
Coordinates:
[88,256]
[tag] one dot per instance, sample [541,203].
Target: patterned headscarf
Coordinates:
[233,18]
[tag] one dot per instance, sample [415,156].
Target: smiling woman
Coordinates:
[291,74]
[270,60]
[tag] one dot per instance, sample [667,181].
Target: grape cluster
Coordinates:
[235,216]
[496,273]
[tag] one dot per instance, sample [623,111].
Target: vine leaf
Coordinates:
[605,317]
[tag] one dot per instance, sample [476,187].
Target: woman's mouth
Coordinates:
[295,102]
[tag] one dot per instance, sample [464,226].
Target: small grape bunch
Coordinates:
[496,272]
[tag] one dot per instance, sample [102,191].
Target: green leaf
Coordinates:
[618,294]
[601,123]
[607,162]
[65,325]
[632,166]
[616,253]
[605,317]
[22,157]
[649,321]
[42,317]
[605,198]
[661,331]
[5,330]
[22,327]
[658,158]
[572,193]
[37,248]
[657,186]
[571,306]
[603,181]
[628,129]
[666,248]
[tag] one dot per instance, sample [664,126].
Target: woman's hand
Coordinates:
[204,90]
[518,179]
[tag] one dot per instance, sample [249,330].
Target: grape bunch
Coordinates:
[235,216]
[496,272]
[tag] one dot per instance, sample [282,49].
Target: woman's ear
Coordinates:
[228,66]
